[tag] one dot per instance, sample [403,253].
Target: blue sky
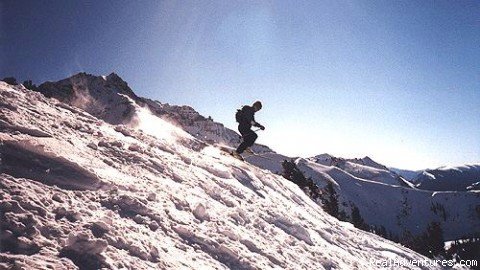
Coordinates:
[398,81]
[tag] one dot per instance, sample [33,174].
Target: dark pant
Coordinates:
[248,136]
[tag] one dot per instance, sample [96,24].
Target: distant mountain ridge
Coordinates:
[459,178]
[401,211]
[364,168]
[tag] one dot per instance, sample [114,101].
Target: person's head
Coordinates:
[257,105]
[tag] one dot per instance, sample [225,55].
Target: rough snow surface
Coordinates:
[95,195]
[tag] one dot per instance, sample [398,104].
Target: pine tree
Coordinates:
[357,219]
[292,173]
[430,243]
[435,241]
[330,200]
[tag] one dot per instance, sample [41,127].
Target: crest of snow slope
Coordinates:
[191,121]
[364,168]
[106,97]
[458,178]
[111,99]
[97,195]
[401,209]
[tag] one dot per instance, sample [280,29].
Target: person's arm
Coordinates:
[256,124]
[250,117]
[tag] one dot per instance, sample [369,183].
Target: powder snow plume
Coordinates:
[153,125]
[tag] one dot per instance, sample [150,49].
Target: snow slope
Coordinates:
[458,178]
[110,99]
[78,192]
[401,210]
[191,121]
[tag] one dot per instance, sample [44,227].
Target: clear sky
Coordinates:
[398,81]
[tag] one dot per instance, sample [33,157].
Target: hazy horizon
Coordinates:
[398,82]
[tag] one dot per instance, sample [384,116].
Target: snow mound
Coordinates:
[25,159]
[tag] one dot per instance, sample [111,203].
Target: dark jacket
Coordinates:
[248,117]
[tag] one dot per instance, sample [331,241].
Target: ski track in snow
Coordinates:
[78,192]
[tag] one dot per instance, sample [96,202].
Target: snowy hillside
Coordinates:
[109,98]
[459,178]
[191,121]
[400,210]
[79,192]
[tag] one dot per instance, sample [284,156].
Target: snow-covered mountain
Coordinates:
[402,211]
[460,178]
[364,168]
[80,192]
[387,200]
[109,98]
[105,97]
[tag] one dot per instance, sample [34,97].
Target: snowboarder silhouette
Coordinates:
[245,118]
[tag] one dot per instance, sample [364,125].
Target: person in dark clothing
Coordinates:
[245,118]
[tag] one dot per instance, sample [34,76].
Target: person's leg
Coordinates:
[252,137]
[243,129]
[241,147]
[249,138]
